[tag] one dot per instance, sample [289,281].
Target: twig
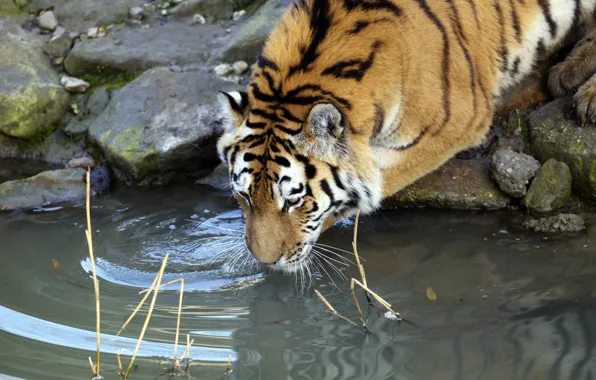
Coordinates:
[332,309]
[229,367]
[386,304]
[156,288]
[136,310]
[96,367]
[360,266]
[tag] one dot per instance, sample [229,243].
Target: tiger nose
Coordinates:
[264,253]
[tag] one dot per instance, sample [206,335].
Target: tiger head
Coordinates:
[295,169]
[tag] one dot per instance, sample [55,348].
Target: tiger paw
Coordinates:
[566,77]
[585,102]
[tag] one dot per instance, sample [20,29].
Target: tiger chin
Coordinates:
[352,100]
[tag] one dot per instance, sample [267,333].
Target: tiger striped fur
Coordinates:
[352,100]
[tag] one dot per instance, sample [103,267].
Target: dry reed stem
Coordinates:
[136,310]
[375,296]
[96,367]
[156,288]
[360,266]
[229,367]
[332,309]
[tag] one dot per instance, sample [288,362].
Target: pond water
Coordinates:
[510,304]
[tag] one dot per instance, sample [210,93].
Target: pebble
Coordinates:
[58,32]
[47,21]
[223,69]
[240,67]
[73,84]
[102,32]
[239,15]
[198,19]
[92,32]
[136,13]
[164,12]
[176,69]
[81,162]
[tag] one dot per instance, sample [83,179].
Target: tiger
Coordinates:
[350,101]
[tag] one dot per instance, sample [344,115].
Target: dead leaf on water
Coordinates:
[56,265]
[430,294]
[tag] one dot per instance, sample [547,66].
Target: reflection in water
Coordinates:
[510,305]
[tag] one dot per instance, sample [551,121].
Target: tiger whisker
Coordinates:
[335,268]
[336,260]
[338,255]
[325,270]
[237,232]
[336,248]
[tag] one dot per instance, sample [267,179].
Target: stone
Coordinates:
[550,189]
[513,171]
[92,32]
[554,133]
[219,179]
[58,46]
[134,50]
[80,15]
[223,69]
[158,127]
[240,67]
[198,19]
[47,20]
[81,162]
[21,3]
[247,40]
[73,84]
[92,107]
[32,101]
[136,13]
[8,8]
[57,148]
[45,188]
[238,15]
[557,223]
[212,9]
[176,69]
[458,184]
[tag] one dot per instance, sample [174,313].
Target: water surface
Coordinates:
[511,304]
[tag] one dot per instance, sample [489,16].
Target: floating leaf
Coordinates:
[430,294]
[56,265]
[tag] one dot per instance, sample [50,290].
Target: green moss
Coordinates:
[112,82]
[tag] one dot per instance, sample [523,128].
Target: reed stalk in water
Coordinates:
[94,367]
[332,309]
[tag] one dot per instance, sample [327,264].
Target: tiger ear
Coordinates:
[233,106]
[325,120]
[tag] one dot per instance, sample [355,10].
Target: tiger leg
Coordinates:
[566,77]
[585,101]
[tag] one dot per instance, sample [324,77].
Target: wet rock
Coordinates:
[223,69]
[79,15]
[550,189]
[136,13]
[84,162]
[240,67]
[198,19]
[554,133]
[135,50]
[176,69]
[57,148]
[47,20]
[73,84]
[458,184]
[45,188]
[58,46]
[557,223]
[212,9]
[219,179]
[246,41]
[513,171]
[238,15]
[91,107]
[31,97]
[158,127]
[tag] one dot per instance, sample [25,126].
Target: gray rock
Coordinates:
[458,184]
[21,3]
[223,69]
[79,15]
[239,15]
[45,188]
[246,41]
[160,125]
[554,133]
[8,8]
[134,50]
[58,46]
[557,223]
[72,84]
[90,108]
[136,13]
[57,148]
[47,20]
[213,9]
[513,171]
[84,162]
[218,179]
[240,67]
[198,19]
[550,189]
[31,97]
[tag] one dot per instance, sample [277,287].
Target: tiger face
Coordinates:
[294,173]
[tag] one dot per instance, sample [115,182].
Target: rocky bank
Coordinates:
[128,88]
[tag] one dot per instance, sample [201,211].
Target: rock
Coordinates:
[17,168]
[219,179]
[246,42]
[135,50]
[92,32]
[81,162]
[554,133]
[47,20]
[176,69]
[58,46]
[550,189]
[158,126]
[238,15]
[31,97]
[45,188]
[8,8]
[91,107]
[136,13]
[458,184]
[21,3]
[55,149]
[60,31]
[240,67]
[198,19]
[73,84]
[213,9]
[223,69]
[558,223]
[79,15]
[513,171]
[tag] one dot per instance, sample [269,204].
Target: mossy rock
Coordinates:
[550,189]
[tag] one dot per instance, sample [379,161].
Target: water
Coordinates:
[511,304]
